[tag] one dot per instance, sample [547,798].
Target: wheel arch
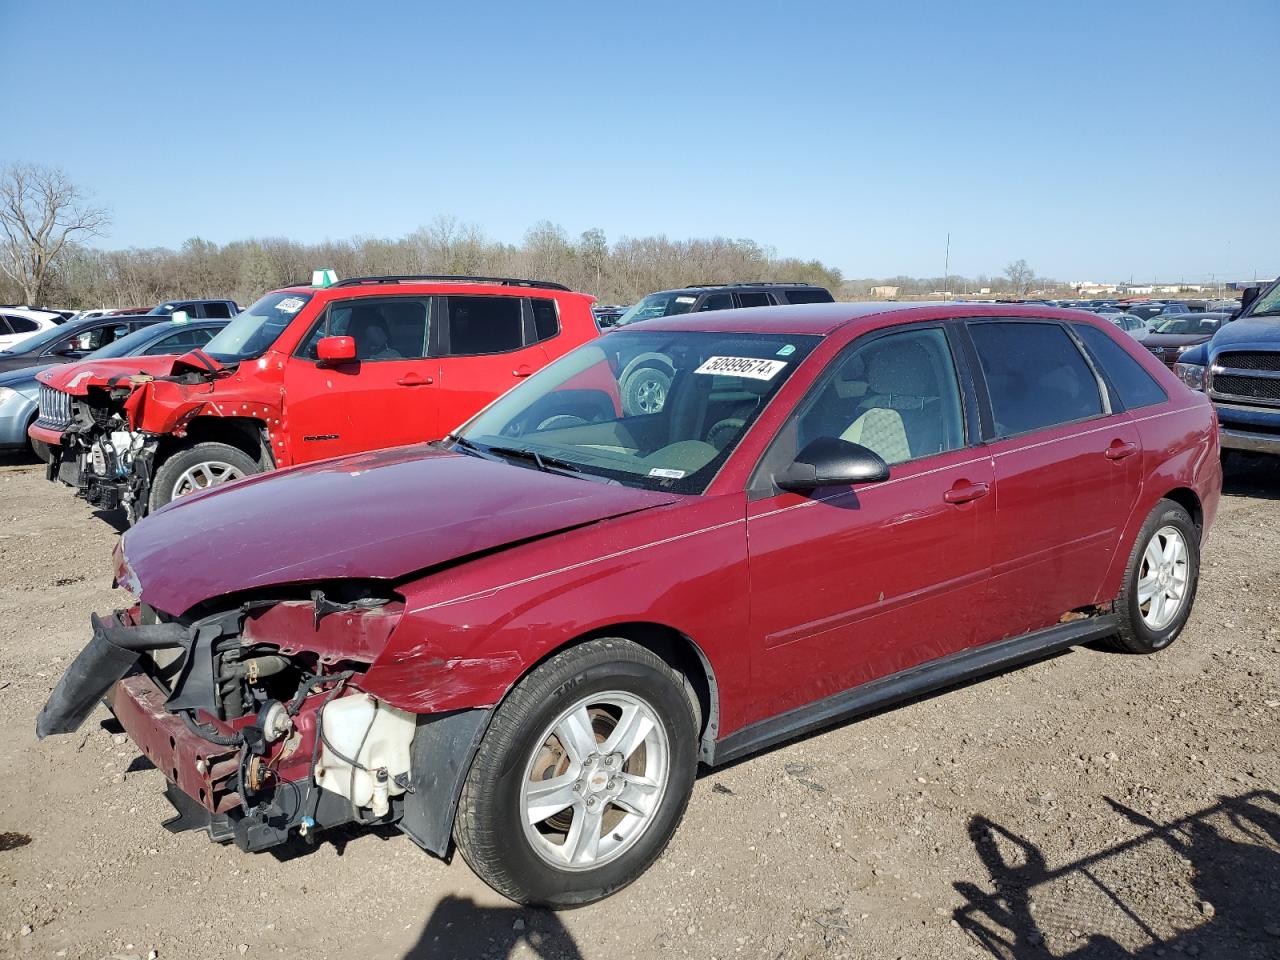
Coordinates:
[1186,498]
[246,434]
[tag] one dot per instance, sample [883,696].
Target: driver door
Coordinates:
[385,398]
[854,583]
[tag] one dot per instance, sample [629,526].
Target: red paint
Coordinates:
[312,410]
[789,598]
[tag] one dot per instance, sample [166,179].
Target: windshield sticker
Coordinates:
[685,299]
[290,304]
[666,474]
[787,351]
[749,367]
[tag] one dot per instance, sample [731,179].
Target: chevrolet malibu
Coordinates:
[521,641]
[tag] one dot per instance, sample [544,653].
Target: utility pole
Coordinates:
[946,272]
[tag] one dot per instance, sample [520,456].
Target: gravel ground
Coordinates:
[1092,805]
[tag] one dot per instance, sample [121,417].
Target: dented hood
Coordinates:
[77,378]
[381,515]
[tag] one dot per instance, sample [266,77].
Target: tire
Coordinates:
[645,391]
[221,461]
[1144,627]
[522,749]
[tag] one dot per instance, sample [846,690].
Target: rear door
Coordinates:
[851,584]
[1067,473]
[487,345]
[384,398]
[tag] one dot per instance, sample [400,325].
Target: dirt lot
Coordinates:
[1093,805]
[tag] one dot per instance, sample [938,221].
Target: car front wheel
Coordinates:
[582,777]
[1160,582]
[198,467]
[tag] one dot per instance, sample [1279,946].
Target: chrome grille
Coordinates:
[55,408]
[1246,375]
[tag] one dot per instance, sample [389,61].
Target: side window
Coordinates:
[717,301]
[394,328]
[4,325]
[753,299]
[1036,376]
[546,319]
[1130,385]
[23,325]
[897,395]
[809,296]
[481,325]
[216,310]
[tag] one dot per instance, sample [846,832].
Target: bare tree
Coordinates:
[1021,277]
[41,212]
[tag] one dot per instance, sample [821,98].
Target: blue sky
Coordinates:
[1095,140]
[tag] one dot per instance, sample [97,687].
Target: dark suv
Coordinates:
[701,297]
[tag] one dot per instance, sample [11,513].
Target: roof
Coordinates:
[822,319]
[374,286]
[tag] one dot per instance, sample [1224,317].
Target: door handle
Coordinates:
[414,380]
[1120,449]
[522,371]
[964,492]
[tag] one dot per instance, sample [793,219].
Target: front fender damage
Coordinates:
[260,721]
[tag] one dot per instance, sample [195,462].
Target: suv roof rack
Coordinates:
[749,283]
[451,278]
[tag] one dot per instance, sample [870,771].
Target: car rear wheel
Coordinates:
[199,467]
[1160,582]
[582,777]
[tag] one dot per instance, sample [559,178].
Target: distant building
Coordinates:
[884,293]
[1089,287]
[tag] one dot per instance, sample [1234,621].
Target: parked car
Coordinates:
[1173,335]
[18,325]
[197,309]
[696,299]
[1153,309]
[607,315]
[303,374]
[95,312]
[524,639]
[70,341]
[20,390]
[1239,369]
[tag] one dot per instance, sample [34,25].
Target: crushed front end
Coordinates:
[256,717]
[94,447]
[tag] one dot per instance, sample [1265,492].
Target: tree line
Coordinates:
[47,225]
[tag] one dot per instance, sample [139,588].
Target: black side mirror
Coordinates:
[1249,295]
[832,462]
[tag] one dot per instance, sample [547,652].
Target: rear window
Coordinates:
[479,325]
[217,310]
[817,295]
[1128,382]
[1036,376]
[546,321]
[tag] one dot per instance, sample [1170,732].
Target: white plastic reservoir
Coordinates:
[387,734]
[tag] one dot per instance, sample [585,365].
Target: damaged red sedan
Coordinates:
[522,640]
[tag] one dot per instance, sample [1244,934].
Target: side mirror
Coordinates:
[331,351]
[1246,299]
[831,462]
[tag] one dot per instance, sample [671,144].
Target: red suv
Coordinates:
[304,374]
[523,640]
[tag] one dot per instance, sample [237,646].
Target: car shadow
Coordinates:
[1252,475]
[116,519]
[1202,884]
[460,927]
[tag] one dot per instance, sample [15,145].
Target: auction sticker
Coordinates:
[666,474]
[749,367]
[290,304]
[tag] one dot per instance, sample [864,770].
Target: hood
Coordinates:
[381,515]
[1260,332]
[77,378]
[16,379]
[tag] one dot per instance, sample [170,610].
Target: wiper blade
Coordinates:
[545,463]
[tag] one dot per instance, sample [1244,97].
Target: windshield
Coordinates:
[1268,304]
[660,410]
[255,329]
[658,305]
[1189,324]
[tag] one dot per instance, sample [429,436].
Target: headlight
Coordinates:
[1192,374]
